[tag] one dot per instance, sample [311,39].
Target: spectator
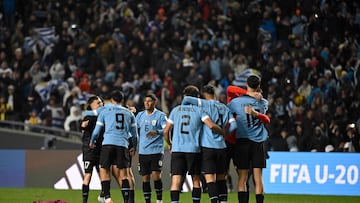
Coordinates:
[318,141]
[298,21]
[5,108]
[279,142]
[38,73]
[53,114]
[33,120]
[13,99]
[73,121]
[354,138]
[336,138]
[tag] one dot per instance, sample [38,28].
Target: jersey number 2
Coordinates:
[185,122]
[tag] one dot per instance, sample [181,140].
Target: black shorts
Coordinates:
[149,163]
[213,161]
[89,165]
[182,162]
[249,154]
[91,154]
[114,155]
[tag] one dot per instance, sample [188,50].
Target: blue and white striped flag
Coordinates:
[41,37]
[46,36]
[241,78]
[29,45]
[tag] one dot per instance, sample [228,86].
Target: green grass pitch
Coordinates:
[28,195]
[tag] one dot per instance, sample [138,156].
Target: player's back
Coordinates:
[220,114]
[248,126]
[187,128]
[118,121]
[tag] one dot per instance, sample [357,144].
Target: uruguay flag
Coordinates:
[240,78]
[41,37]
[46,36]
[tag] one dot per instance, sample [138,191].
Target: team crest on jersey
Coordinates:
[153,122]
[160,163]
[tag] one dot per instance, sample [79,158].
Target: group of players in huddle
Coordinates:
[202,133]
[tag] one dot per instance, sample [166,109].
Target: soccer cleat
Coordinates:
[159,201]
[101,199]
[108,200]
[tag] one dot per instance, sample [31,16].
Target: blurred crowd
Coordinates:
[54,54]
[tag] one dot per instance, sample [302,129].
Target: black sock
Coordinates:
[125,188]
[147,191]
[131,196]
[242,197]
[175,195]
[212,191]
[196,195]
[158,185]
[85,193]
[222,190]
[105,185]
[247,190]
[259,198]
[229,182]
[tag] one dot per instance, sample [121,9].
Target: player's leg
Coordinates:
[242,188]
[158,185]
[242,163]
[122,162]
[259,188]
[145,171]
[86,181]
[105,164]
[156,167]
[196,192]
[221,170]
[131,179]
[208,164]
[221,183]
[258,163]
[146,187]
[178,170]
[176,181]
[194,169]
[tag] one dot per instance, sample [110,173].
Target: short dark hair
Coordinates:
[253,81]
[152,96]
[209,89]
[192,91]
[117,95]
[91,100]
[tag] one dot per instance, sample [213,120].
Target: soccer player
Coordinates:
[115,170]
[213,145]
[251,135]
[151,123]
[90,156]
[119,125]
[186,122]
[230,139]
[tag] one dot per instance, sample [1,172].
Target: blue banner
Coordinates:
[312,173]
[12,168]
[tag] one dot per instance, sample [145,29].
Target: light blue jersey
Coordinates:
[146,123]
[187,121]
[248,126]
[219,113]
[119,124]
